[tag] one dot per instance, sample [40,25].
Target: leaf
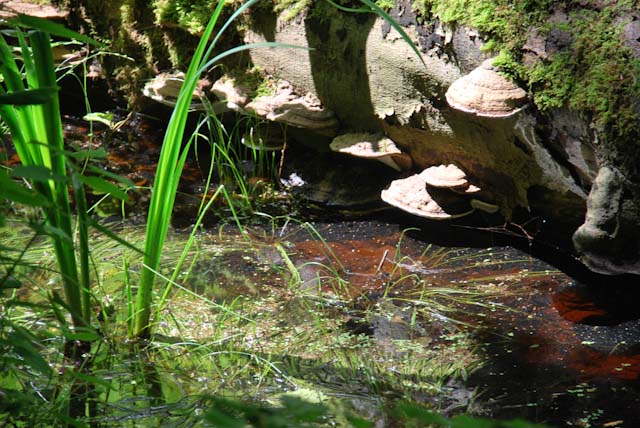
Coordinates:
[91,379]
[104,118]
[124,180]
[87,154]
[85,335]
[102,186]
[52,28]
[29,96]
[37,173]
[418,413]
[23,346]
[20,194]
[223,420]
[56,232]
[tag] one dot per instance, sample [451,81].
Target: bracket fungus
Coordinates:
[229,91]
[485,92]
[165,88]
[286,107]
[448,177]
[410,194]
[372,146]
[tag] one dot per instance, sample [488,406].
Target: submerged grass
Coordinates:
[270,335]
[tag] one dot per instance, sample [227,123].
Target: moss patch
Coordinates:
[589,69]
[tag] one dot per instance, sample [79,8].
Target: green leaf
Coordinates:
[92,379]
[104,118]
[29,96]
[37,173]
[465,421]
[418,413]
[23,346]
[123,180]
[52,28]
[85,335]
[87,154]
[56,232]
[102,186]
[223,420]
[20,194]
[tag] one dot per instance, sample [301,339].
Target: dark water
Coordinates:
[566,354]
[566,351]
[559,345]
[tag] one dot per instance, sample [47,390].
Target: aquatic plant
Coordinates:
[172,159]
[29,107]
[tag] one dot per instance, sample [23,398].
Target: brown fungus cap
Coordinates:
[410,194]
[485,92]
[369,146]
[234,94]
[448,177]
[285,106]
[165,89]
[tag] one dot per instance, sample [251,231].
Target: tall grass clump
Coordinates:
[29,107]
[172,159]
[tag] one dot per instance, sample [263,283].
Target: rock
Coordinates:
[609,239]
[631,36]
[572,141]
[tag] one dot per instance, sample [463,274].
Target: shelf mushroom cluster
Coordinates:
[283,106]
[438,193]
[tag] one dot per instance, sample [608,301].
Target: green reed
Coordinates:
[29,107]
[172,158]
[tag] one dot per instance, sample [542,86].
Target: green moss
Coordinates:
[385,4]
[293,7]
[594,73]
[190,15]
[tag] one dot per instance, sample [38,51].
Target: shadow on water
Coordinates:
[567,352]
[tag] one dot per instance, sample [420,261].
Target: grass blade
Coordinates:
[50,27]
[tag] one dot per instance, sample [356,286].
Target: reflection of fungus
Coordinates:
[448,177]
[371,146]
[410,194]
[268,140]
[485,92]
